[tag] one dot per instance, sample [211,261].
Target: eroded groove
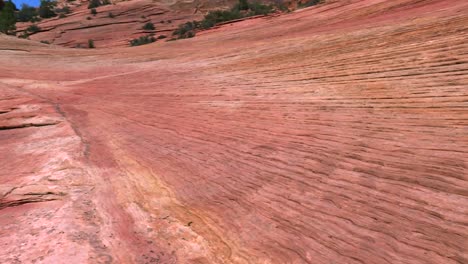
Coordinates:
[3,127]
[7,204]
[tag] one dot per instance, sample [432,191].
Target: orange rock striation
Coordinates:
[334,134]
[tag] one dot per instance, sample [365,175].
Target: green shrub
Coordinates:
[186,30]
[162,37]
[91,44]
[142,40]
[149,26]
[260,9]
[62,15]
[63,10]
[309,3]
[88,18]
[8,19]
[45,42]
[243,5]
[94,4]
[27,13]
[46,9]
[93,11]
[33,29]
[110,15]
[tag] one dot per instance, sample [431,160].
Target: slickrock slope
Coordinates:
[125,23]
[335,134]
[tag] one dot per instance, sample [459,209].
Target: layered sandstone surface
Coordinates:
[334,134]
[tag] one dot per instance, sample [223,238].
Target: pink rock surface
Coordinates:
[334,134]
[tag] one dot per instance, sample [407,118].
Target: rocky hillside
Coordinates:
[333,134]
[113,25]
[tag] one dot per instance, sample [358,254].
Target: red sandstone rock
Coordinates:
[335,134]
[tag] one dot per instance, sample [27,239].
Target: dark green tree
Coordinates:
[243,5]
[27,13]
[94,4]
[7,18]
[46,9]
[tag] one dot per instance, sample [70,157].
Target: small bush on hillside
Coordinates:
[142,40]
[309,3]
[62,15]
[94,4]
[93,11]
[162,37]
[46,9]
[45,42]
[91,44]
[186,30]
[98,3]
[88,18]
[110,15]
[63,10]
[243,5]
[33,29]
[149,26]
[259,9]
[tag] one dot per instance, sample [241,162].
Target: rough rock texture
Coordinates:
[125,23]
[335,134]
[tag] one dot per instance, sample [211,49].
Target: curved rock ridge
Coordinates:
[333,134]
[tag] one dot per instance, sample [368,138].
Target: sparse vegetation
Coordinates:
[309,3]
[186,30]
[46,9]
[98,3]
[63,10]
[142,40]
[162,37]
[33,29]
[94,4]
[110,15]
[149,26]
[88,18]
[62,15]
[241,10]
[91,44]
[93,11]
[45,42]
